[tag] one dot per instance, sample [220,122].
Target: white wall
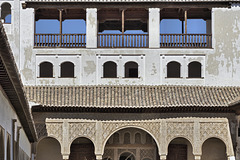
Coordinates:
[7,113]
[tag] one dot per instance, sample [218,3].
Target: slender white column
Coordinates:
[91,29]
[163,157]
[154,27]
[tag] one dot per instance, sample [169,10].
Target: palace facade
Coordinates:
[121,88]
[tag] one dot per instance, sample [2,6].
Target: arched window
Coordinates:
[109,69]
[138,139]
[194,70]
[46,69]
[131,70]
[126,138]
[173,69]
[6,12]
[67,69]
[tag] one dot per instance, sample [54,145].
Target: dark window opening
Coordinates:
[238,132]
[67,69]
[110,70]
[173,70]
[194,70]
[46,69]
[6,12]
[131,70]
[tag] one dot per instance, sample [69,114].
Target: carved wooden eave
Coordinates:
[181,109]
[138,4]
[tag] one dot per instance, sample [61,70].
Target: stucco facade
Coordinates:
[94,115]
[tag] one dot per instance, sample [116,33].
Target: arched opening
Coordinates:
[46,69]
[127,156]
[6,12]
[194,70]
[109,69]
[8,147]
[67,69]
[48,149]
[173,70]
[131,144]
[131,70]
[138,138]
[2,143]
[214,149]
[82,149]
[180,149]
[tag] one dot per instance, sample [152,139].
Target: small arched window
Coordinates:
[126,138]
[46,69]
[131,70]
[67,69]
[6,12]
[194,70]
[173,69]
[138,139]
[109,69]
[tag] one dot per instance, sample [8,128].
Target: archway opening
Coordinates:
[173,70]
[131,144]
[180,149]
[82,149]
[214,149]
[48,149]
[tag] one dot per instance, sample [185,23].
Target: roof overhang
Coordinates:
[11,84]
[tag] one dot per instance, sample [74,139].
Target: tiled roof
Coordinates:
[132,96]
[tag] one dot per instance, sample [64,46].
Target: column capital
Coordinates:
[98,157]
[65,156]
[163,157]
[197,157]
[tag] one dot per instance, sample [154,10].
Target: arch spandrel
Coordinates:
[55,130]
[219,130]
[109,128]
[180,130]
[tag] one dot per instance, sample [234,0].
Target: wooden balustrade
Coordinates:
[122,40]
[185,40]
[60,40]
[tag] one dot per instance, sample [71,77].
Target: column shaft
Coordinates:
[154,28]
[91,29]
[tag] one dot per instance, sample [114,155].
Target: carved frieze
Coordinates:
[55,130]
[213,129]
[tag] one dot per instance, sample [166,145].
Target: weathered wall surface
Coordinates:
[223,66]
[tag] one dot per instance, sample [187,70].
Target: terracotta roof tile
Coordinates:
[132,96]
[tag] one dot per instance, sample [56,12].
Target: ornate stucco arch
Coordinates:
[109,128]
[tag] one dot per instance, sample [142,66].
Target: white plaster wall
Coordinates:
[221,65]
[7,113]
